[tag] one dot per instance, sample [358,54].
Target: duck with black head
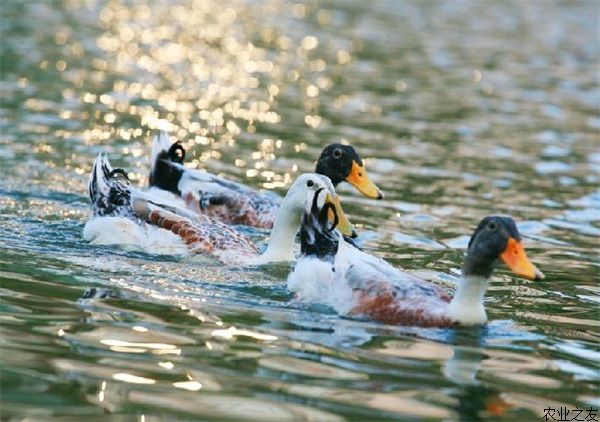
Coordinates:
[358,284]
[235,203]
[341,163]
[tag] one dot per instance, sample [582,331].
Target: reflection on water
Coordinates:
[460,108]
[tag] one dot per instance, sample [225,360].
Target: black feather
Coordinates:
[317,234]
[166,171]
[110,195]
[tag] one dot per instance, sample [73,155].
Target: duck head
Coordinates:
[496,239]
[342,163]
[315,189]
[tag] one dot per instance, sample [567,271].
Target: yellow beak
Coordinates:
[344,225]
[515,258]
[359,178]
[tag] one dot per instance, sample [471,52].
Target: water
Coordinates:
[461,108]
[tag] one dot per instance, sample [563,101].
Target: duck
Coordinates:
[134,219]
[236,203]
[358,284]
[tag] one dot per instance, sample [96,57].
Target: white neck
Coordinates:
[466,306]
[283,235]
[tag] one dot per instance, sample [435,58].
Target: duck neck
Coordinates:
[283,234]
[466,307]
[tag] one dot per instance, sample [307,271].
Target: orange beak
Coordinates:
[344,225]
[515,258]
[360,180]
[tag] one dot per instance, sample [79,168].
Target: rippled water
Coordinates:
[461,108]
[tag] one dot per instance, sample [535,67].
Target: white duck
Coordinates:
[123,215]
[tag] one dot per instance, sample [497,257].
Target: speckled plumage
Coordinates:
[202,234]
[112,196]
[109,191]
[254,210]
[158,221]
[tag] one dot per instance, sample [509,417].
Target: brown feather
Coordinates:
[385,305]
[204,235]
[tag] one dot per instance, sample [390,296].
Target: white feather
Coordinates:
[320,281]
[133,236]
[467,304]
[311,279]
[160,196]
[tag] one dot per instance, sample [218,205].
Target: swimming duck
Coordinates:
[235,203]
[124,215]
[358,284]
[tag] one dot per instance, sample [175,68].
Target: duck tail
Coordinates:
[167,163]
[109,190]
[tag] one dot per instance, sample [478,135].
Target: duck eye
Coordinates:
[337,153]
[492,226]
[310,183]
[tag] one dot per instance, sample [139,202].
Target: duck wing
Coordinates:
[386,294]
[207,194]
[227,201]
[202,234]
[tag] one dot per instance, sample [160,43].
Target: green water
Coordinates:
[461,109]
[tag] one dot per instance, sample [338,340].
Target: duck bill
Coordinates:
[515,258]
[359,178]
[344,225]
